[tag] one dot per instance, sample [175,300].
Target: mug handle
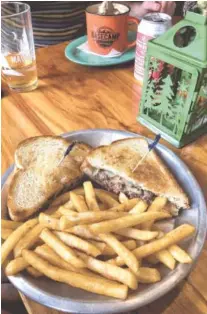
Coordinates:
[135,21]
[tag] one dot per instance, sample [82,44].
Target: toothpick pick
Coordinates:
[67,152]
[150,146]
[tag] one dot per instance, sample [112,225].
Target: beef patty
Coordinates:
[117,184]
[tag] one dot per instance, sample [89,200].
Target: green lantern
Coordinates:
[174,97]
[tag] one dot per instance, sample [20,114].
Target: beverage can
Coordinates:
[151,26]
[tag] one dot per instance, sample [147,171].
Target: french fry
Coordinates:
[136,234]
[9,224]
[50,222]
[126,206]
[131,203]
[102,206]
[110,271]
[78,243]
[166,258]
[66,211]
[34,272]
[121,250]
[99,286]
[118,208]
[157,205]
[148,275]
[15,236]
[162,256]
[105,192]
[155,246]
[179,254]
[5,233]
[129,244]
[161,234]
[69,205]
[60,200]
[61,249]
[83,232]
[90,196]
[15,266]
[29,241]
[106,198]
[56,214]
[88,217]
[6,262]
[122,198]
[18,264]
[63,198]
[79,191]
[139,208]
[65,223]
[124,222]
[85,223]
[78,202]
[100,245]
[49,255]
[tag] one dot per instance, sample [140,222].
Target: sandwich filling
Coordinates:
[117,184]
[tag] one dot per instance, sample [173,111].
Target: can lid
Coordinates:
[157,18]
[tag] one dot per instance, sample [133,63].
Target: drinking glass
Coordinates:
[17,47]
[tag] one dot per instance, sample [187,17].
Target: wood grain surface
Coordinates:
[73,97]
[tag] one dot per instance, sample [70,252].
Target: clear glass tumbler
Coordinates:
[18,62]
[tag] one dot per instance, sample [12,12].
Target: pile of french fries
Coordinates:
[94,240]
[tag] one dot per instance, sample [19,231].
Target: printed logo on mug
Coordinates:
[105,36]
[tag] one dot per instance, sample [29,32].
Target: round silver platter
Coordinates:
[72,300]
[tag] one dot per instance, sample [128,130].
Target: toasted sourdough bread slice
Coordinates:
[38,177]
[118,160]
[46,151]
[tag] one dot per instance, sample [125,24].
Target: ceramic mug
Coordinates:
[107,32]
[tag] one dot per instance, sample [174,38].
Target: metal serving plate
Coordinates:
[68,299]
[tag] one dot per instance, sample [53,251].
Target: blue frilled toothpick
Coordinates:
[67,152]
[150,146]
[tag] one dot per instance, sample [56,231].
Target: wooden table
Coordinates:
[73,97]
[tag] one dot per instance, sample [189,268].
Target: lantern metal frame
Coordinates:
[188,59]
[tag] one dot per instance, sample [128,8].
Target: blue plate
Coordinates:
[78,56]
